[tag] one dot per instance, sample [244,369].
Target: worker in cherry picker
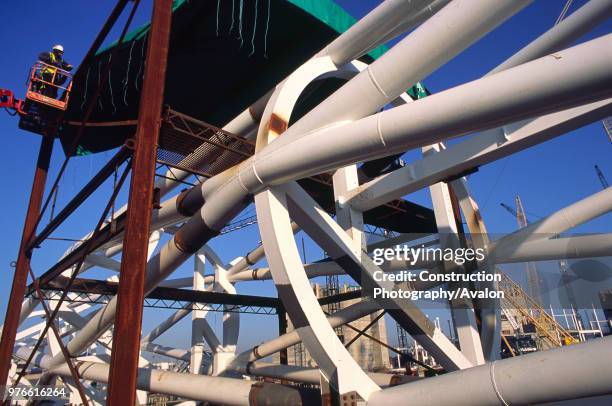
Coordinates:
[54,60]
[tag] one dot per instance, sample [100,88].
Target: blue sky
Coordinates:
[547,177]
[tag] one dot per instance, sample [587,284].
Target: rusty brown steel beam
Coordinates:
[101,235]
[130,297]
[20,278]
[6,344]
[124,123]
[75,271]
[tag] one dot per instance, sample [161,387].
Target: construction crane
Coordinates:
[602,178]
[522,220]
[519,212]
[533,278]
[512,211]
[520,307]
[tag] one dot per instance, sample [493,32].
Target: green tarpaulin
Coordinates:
[221,60]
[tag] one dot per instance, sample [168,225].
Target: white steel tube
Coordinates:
[217,390]
[545,85]
[568,30]
[570,372]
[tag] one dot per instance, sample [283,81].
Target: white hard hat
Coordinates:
[58,48]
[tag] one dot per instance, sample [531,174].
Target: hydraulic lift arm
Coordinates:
[8,101]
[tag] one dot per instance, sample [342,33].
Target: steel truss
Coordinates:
[528,99]
[161,303]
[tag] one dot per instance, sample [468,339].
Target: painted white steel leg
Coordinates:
[225,352]
[490,309]
[197,317]
[336,364]
[348,218]
[462,310]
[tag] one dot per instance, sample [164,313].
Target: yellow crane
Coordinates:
[533,276]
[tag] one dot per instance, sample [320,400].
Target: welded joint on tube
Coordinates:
[566,215]
[375,83]
[191,246]
[180,206]
[494,384]
[379,129]
[256,182]
[255,352]
[504,135]
[248,260]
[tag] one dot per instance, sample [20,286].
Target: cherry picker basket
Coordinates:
[49,85]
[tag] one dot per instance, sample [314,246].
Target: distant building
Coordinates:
[370,355]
